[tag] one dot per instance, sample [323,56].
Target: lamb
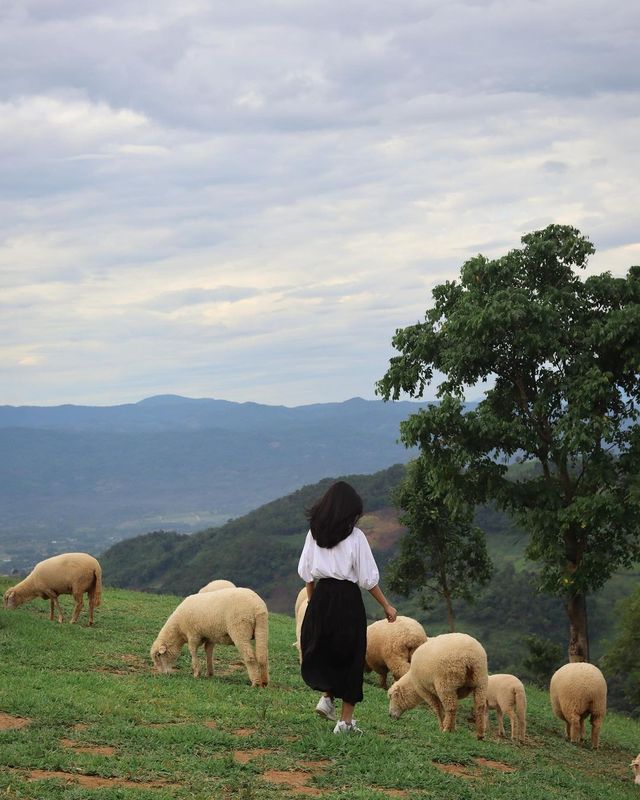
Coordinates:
[390,646]
[302,601]
[67,573]
[579,690]
[506,694]
[635,764]
[228,616]
[444,669]
[214,586]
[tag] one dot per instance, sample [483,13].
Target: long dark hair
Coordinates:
[333,517]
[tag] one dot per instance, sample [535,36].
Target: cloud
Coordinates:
[246,200]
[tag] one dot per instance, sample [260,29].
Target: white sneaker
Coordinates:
[347,727]
[326,708]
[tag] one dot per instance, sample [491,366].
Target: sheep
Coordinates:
[578,690]
[506,694]
[215,586]
[444,669]
[635,765]
[67,573]
[228,616]
[390,646]
[302,601]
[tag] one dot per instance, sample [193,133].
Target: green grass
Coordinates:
[220,738]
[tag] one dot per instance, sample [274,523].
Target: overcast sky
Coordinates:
[245,199]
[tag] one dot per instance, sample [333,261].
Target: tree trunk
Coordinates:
[576,606]
[450,615]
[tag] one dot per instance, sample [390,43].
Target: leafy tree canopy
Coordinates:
[560,357]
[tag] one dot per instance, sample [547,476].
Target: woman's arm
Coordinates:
[310,587]
[389,611]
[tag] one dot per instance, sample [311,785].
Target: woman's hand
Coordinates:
[390,613]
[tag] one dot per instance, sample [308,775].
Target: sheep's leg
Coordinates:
[514,723]
[449,702]
[574,728]
[582,728]
[596,724]
[208,649]
[51,608]
[193,643]
[486,718]
[567,730]
[92,605]
[54,601]
[500,717]
[434,701]
[383,678]
[398,667]
[249,658]
[479,704]
[77,596]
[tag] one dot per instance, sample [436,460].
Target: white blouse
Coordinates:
[349,560]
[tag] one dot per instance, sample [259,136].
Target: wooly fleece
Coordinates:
[577,691]
[444,669]
[228,616]
[67,573]
[506,694]
[390,646]
[635,765]
[215,586]
[302,601]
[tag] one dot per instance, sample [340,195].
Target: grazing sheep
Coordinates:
[215,586]
[444,669]
[390,646]
[506,694]
[67,573]
[635,764]
[228,616]
[302,601]
[576,691]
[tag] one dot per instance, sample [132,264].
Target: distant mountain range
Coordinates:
[79,477]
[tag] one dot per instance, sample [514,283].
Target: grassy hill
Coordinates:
[83,717]
[261,550]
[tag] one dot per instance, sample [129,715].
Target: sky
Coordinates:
[245,200]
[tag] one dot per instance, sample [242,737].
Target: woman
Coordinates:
[335,562]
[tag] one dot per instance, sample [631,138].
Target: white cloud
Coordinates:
[245,200]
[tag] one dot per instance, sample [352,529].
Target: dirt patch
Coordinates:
[94,750]
[81,726]
[486,762]
[459,770]
[9,723]
[244,731]
[382,528]
[296,781]
[244,756]
[136,663]
[391,792]
[210,723]
[93,781]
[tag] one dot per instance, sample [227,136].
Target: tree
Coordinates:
[441,554]
[560,358]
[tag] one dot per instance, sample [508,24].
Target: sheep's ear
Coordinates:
[162,649]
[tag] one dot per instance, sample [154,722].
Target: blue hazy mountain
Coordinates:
[85,477]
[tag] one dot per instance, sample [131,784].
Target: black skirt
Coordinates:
[333,640]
